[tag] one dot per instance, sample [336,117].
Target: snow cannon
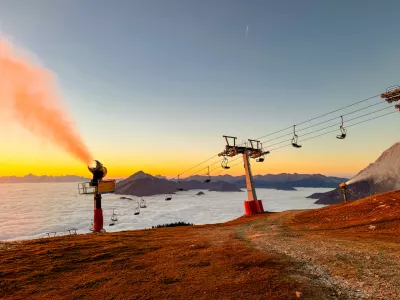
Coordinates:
[98,171]
[97,186]
[343,189]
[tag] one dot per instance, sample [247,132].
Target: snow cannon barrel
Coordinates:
[98,171]
[343,189]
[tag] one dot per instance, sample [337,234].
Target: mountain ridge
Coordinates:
[143,184]
[30,178]
[383,175]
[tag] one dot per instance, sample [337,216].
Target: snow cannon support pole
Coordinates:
[98,171]
[98,214]
[252,205]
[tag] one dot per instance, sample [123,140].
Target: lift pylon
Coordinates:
[252,205]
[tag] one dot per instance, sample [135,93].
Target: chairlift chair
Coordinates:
[224,163]
[295,138]
[114,216]
[137,211]
[143,203]
[343,131]
[208,177]
[179,188]
[72,231]
[262,157]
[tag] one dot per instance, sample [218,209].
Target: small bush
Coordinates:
[169,280]
[173,225]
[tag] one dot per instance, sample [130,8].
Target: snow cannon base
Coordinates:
[253,207]
[98,220]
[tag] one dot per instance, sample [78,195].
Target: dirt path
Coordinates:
[345,267]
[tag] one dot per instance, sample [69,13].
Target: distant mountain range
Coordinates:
[381,176]
[142,184]
[39,179]
[282,181]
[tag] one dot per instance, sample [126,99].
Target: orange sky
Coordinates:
[25,153]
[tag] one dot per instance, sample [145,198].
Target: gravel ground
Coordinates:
[348,266]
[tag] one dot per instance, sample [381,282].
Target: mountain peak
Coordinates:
[140,175]
[387,166]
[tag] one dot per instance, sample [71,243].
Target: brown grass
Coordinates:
[377,216]
[202,262]
[177,263]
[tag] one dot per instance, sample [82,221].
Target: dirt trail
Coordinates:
[349,267]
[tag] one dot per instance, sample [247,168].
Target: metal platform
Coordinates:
[86,188]
[103,187]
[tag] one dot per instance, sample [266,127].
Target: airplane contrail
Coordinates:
[247,30]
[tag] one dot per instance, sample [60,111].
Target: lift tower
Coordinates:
[252,205]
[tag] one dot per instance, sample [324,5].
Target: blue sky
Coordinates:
[161,77]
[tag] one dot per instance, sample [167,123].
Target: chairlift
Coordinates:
[342,130]
[179,188]
[295,138]
[224,163]
[72,231]
[114,218]
[208,177]
[137,210]
[262,157]
[143,203]
[168,197]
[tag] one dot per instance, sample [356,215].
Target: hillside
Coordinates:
[344,251]
[381,176]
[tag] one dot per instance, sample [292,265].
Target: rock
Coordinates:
[200,193]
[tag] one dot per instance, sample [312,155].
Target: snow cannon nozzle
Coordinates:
[98,171]
[343,186]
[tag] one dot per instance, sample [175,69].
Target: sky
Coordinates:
[154,85]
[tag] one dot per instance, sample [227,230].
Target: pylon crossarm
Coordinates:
[392,94]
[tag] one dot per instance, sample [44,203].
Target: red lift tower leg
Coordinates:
[252,205]
[98,214]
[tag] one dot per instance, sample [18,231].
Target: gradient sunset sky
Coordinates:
[153,85]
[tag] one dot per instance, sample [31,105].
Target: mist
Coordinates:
[30,92]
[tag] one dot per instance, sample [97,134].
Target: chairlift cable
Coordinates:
[330,126]
[198,164]
[323,122]
[319,135]
[306,121]
[367,120]
[320,116]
